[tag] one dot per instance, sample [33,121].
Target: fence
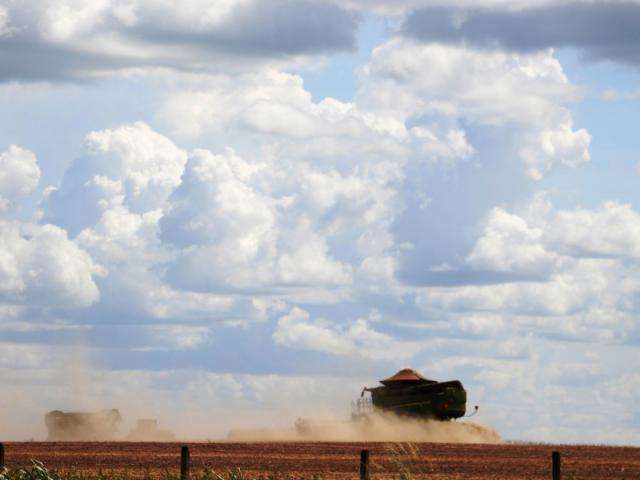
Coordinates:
[364,463]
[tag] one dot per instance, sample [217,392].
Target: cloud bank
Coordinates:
[602,30]
[59,40]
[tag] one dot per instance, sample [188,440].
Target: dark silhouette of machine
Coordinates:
[146,430]
[82,426]
[409,394]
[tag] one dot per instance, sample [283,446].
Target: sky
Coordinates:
[238,212]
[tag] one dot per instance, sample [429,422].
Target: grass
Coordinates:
[37,471]
[402,461]
[406,461]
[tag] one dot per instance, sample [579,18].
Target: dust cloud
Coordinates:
[378,426]
[204,408]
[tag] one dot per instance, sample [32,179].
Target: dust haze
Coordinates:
[377,427]
[208,407]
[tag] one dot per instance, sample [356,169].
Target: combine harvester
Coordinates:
[409,394]
[147,430]
[406,407]
[100,426]
[82,426]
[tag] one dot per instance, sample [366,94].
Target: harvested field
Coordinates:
[337,460]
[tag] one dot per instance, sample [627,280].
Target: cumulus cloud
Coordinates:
[254,234]
[603,30]
[39,265]
[62,40]
[613,230]
[510,116]
[297,330]
[434,83]
[576,266]
[421,113]
[508,244]
[117,191]
[131,164]
[19,175]
[274,106]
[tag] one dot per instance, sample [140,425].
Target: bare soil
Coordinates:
[336,460]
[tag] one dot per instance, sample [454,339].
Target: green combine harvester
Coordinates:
[409,394]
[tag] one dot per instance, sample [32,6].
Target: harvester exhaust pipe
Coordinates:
[475,410]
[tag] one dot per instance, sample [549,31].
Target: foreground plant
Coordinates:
[38,471]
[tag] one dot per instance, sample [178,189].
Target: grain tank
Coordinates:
[407,393]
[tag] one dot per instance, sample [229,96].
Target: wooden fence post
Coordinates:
[184,463]
[1,455]
[555,467]
[364,465]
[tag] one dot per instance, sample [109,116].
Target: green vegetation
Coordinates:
[403,459]
[38,471]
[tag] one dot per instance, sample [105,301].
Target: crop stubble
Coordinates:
[337,460]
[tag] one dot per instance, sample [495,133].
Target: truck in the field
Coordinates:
[146,430]
[82,426]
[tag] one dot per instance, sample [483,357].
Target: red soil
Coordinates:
[337,460]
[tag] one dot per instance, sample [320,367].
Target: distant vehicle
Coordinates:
[407,393]
[82,426]
[147,430]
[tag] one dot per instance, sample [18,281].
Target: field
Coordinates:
[336,460]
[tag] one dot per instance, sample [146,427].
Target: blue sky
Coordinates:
[232,210]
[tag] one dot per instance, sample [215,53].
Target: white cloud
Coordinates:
[272,106]
[227,99]
[613,229]
[525,93]
[40,266]
[357,338]
[584,285]
[281,220]
[562,145]
[509,244]
[148,164]
[130,165]
[541,234]
[19,175]
[90,39]
[562,294]
[121,234]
